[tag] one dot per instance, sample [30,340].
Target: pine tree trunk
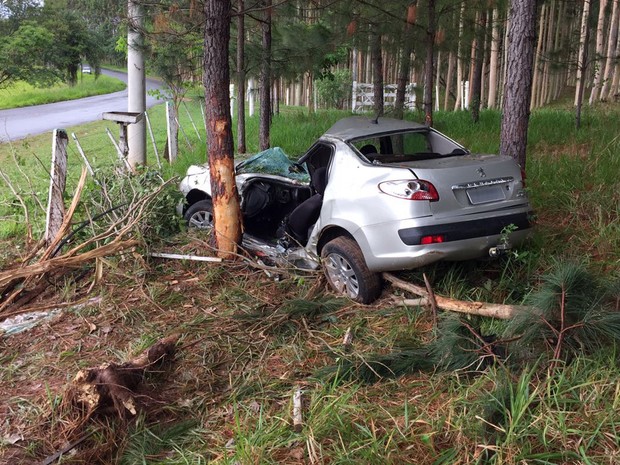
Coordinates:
[518,85]
[449,79]
[611,49]
[216,76]
[615,84]
[265,79]
[493,60]
[377,71]
[600,50]
[505,59]
[240,77]
[546,82]
[459,62]
[537,58]
[429,65]
[476,82]
[583,51]
[403,79]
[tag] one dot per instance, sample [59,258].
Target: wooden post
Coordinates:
[58,180]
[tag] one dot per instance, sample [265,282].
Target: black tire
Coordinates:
[347,273]
[199,215]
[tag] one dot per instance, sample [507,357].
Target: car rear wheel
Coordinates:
[200,215]
[346,271]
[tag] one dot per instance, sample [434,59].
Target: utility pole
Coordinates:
[136,85]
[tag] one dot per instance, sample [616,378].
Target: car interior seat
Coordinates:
[303,217]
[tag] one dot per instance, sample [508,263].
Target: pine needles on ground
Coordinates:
[573,312]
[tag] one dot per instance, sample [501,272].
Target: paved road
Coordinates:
[18,123]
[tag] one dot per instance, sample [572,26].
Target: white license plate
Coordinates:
[486,194]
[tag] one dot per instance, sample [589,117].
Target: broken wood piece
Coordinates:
[347,340]
[113,385]
[297,415]
[431,298]
[501,311]
[421,302]
[175,256]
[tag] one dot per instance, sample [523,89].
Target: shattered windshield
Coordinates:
[273,161]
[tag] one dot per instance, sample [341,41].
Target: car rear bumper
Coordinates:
[396,246]
[467,229]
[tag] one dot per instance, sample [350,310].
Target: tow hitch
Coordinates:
[499,250]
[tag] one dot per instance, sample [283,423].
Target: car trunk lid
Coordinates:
[471,184]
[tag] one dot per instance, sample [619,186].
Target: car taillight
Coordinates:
[410,189]
[523,177]
[437,239]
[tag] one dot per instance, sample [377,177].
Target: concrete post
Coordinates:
[136,85]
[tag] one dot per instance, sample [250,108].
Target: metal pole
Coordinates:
[136,83]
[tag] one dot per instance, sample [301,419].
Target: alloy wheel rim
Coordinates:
[201,220]
[341,275]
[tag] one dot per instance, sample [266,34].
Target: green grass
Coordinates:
[22,94]
[249,341]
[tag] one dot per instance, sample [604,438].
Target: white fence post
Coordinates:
[173,134]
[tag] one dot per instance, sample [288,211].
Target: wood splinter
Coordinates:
[297,415]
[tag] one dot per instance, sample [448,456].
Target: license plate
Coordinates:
[486,194]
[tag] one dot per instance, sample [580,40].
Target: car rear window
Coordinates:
[406,146]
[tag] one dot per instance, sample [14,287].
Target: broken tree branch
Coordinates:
[500,311]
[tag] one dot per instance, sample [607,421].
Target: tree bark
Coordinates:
[377,71]
[583,53]
[265,79]
[611,49]
[429,65]
[615,89]
[537,58]
[583,62]
[404,64]
[518,85]
[227,216]
[459,63]
[476,83]
[240,77]
[492,96]
[600,50]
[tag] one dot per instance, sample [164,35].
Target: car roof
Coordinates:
[356,127]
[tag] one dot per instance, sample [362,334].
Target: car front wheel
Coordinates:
[200,215]
[346,271]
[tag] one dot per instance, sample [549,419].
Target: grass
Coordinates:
[22,94]
[249,341]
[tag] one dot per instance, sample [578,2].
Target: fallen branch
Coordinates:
[501,311]
[64,261]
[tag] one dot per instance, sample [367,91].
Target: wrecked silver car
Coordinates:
[372,196]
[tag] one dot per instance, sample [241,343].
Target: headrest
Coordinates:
[368,149]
